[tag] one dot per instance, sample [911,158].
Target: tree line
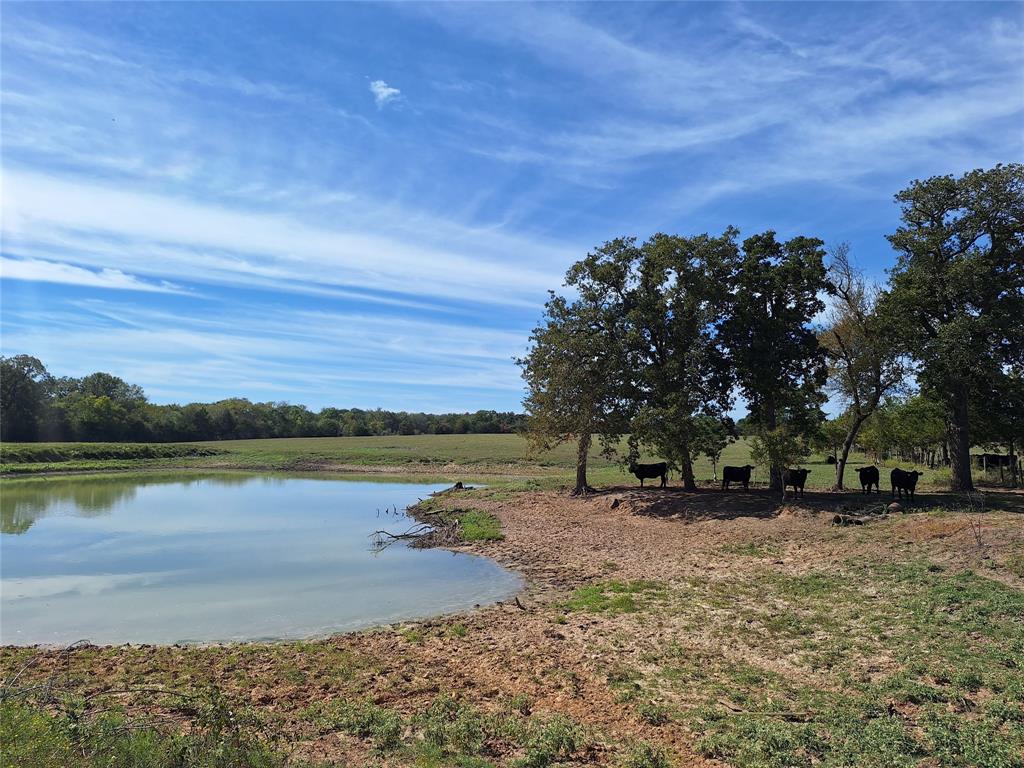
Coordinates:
[658,339]
[38,406]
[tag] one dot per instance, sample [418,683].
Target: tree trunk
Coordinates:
[582,452]
[958,427]
[686,466]
[1013,466]
[851,436]
[686,472]
[775,470]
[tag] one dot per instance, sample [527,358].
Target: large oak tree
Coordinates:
[681,376]
[575,368]
[957,291]
[775,291]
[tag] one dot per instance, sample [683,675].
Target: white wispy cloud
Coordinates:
[276,353]
[57,272]
[194,241]
[383,93]
[819,100]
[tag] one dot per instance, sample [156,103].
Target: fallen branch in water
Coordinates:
[442,533]
[414,532]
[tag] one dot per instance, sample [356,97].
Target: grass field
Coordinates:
[450,456]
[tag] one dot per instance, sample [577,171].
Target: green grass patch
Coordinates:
[1015,564]
[751,549]
[642,754]
[474,524]
[887,664]
[218,737]
[615,596]
[478,525]
[452,732]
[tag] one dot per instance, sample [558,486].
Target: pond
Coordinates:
[211,558]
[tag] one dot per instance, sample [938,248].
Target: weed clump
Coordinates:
[453,732]
[644,755]
[66,733]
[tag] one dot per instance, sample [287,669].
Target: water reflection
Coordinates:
[23,501]
[186,557]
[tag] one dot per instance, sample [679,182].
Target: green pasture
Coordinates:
[447,456]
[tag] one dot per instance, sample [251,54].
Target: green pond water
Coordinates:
[187,558]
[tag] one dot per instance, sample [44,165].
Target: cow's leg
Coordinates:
[664,480]
[641,482]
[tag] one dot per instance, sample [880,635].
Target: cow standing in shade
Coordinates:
[796,478]
[868,477]
[736,475]
[904,481]
[651,471]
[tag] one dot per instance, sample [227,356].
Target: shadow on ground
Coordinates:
[714,504]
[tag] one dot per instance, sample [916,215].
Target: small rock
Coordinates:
[895,508]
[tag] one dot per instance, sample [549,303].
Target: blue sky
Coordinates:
[364,205]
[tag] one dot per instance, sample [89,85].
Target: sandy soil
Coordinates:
[560,660]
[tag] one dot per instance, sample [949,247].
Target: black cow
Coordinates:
[652,471]
[868,477]
[904,481]
[736,475]
[796,478]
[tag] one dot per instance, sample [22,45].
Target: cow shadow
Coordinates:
[713,504]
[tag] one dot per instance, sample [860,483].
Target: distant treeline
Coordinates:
[100,407]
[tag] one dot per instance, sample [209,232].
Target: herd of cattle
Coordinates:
[902,481]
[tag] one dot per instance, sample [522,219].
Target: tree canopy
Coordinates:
[956,293]
[774,352]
